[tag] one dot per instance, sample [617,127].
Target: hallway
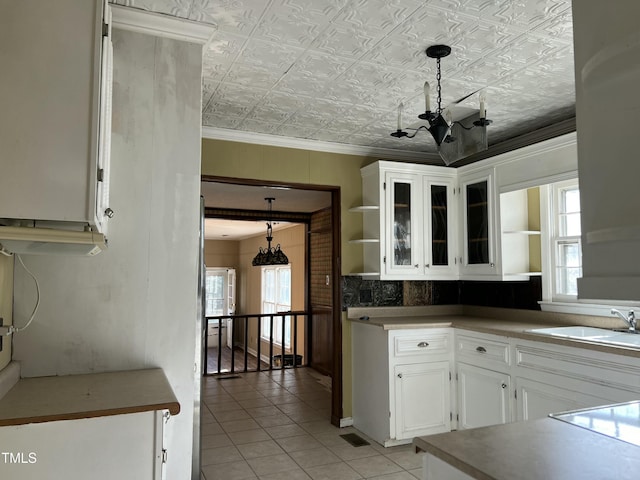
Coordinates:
[275,425]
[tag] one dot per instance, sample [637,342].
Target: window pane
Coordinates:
[567,280]
[269,285]
[569,254]
[571,200]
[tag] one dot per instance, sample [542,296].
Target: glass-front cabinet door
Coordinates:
[439,227]
[478,238]
[403,255]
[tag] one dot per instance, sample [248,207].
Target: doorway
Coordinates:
[318,208]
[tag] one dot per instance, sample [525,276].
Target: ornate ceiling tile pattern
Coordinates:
[336,70]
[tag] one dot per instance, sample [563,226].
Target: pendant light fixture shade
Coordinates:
[270,255]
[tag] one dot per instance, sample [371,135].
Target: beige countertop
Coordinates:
[534,450]
[70,397]
[505,322]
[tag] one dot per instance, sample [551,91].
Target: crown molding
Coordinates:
[156,24]
[213,133]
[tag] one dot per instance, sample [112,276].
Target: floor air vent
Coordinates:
[355,440]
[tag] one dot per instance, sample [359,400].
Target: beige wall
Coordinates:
[221,253]
[6,305]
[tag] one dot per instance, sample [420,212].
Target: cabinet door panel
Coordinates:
[439,228]
[422,399]
[538,400]
[404,238]
[483,397]
[478,224]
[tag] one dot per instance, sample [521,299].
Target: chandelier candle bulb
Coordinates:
[427,98]
[483,106]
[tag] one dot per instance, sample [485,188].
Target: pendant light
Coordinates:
[270,255]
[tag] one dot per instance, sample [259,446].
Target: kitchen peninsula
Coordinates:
[597,443]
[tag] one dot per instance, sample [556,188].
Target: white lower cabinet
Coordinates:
[483,397]
[401,382]
[483,375]
[418,408]
[538,400]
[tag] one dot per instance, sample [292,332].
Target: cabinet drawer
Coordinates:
[479,349]
[421,343]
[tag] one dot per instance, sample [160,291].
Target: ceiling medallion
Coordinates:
[453,138]
[270,255]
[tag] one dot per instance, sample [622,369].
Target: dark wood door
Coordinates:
[321,293]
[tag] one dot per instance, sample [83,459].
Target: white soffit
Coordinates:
[160,25]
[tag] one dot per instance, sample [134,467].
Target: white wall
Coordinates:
[133,306]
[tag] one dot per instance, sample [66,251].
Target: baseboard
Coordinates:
[346,422]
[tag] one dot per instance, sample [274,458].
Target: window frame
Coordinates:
[277,306]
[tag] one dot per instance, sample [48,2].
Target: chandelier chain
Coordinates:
[438,77]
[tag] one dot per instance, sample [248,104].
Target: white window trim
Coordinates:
[559,304]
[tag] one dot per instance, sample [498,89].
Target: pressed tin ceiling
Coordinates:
[336,70]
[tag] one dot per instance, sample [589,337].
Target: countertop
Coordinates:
[505,322]
[70,397]
[534,450]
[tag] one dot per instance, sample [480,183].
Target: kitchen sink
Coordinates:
[592,334]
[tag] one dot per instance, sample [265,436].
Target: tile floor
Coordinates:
[275,425]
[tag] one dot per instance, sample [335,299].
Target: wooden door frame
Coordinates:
[336,274]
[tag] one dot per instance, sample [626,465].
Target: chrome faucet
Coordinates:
[629,318]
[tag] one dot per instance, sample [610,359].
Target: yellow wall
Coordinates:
[535,250]
[242,160]
[221,253]
[6,305]
[260,162]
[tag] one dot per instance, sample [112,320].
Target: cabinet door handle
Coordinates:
[423,344]
[399,375]
[481,349]
[504,385]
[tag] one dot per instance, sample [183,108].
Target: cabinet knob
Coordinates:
[399,375]
[416,265]
[423,344]
[492,264]
[109,213]
[481,349]
[427,265]
[504,385]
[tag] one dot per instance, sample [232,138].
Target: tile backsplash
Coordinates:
[360,292]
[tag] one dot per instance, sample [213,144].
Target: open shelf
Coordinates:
[364,208]
[365,240]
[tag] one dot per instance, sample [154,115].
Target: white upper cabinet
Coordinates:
[55,121]
[403,255]
[478,231]
[409,218]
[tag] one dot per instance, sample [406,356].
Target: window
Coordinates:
[219,292]
[565,250]
[214,292]
[276,297]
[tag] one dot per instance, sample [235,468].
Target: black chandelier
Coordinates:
[270,255]
[439,126]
